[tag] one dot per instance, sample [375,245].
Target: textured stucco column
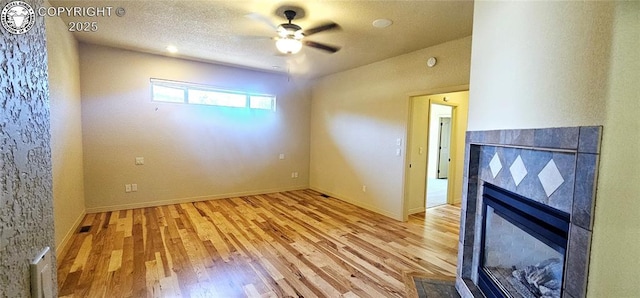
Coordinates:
[26,212]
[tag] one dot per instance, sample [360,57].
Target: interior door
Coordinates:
[444,147]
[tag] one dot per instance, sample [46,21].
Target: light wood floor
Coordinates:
[287,244]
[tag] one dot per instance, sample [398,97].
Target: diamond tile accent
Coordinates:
[518,170]
[550,178]
[495,165]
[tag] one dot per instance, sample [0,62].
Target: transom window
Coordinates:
[181,92]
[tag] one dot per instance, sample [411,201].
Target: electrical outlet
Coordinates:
[364,188]
[295,174]
[134,187]
[139,161]
[127,188]
[281,156]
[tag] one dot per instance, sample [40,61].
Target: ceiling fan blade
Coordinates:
[325,27]
[262,19]
[321,46]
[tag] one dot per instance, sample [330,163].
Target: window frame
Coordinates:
[186,87]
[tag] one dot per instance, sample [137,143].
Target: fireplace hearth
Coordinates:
[523,246]
[527,212]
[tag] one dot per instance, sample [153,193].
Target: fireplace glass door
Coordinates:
[521,256]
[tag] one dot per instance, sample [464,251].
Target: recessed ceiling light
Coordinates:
[382,23]
[172,49]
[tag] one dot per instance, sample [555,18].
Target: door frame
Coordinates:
[439,159]
[408,143]
[435,99]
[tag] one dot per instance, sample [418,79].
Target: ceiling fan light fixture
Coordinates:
[288,45]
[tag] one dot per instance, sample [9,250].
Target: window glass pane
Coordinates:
[182,92]
[217,98]
[168,94]
[262,102]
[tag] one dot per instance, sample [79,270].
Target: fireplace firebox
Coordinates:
[523,245]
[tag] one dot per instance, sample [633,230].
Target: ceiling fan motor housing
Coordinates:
[291,27]
[289,30]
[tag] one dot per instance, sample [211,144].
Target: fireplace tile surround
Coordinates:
[573,151]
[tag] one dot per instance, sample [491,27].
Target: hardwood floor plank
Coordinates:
[68,287]
[289,244]
[126,269]
[83,254]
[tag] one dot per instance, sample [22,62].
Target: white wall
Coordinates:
[615,259]
[547,64]
[539,64]
[66,130]
[191,152]
[358,115]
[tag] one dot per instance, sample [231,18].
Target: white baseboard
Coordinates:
[61,248]
[189,199]
[417,210]
[369,207]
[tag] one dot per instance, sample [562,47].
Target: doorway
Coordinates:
[440,122]
[432,146]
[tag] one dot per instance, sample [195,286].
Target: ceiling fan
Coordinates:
[291,37]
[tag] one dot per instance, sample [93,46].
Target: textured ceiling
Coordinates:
[220,31]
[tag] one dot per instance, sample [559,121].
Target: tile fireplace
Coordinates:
[527,212]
